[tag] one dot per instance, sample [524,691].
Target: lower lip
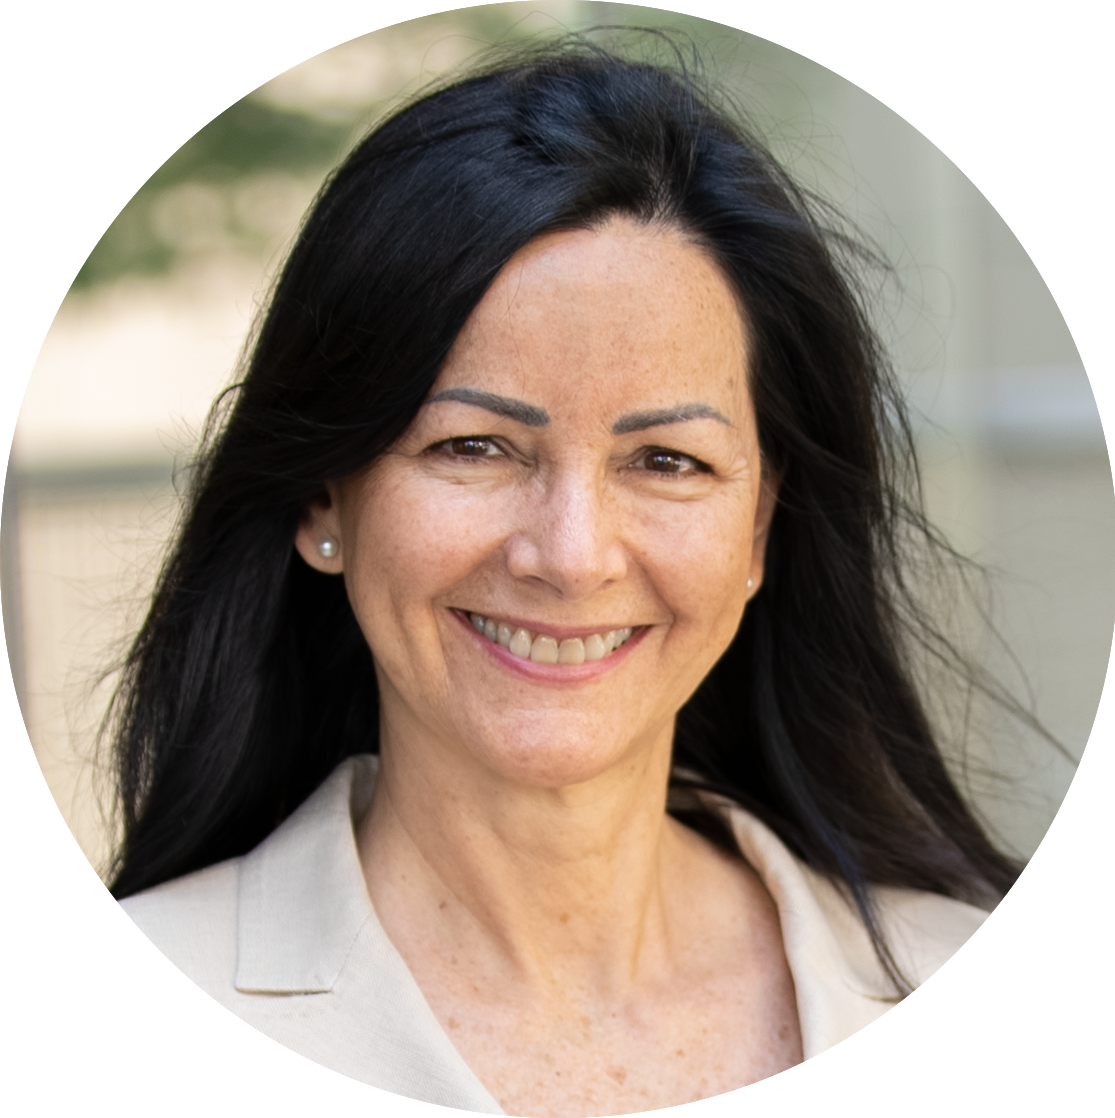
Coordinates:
[552,673]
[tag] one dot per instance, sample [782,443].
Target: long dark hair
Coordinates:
[250,679]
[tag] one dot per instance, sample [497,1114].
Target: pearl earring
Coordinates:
[327,549]
[750,584]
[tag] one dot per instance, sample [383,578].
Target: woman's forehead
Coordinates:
[631,264]
[625,312]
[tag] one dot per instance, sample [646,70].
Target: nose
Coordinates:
[568,537]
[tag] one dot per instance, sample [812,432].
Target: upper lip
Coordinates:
[558,632]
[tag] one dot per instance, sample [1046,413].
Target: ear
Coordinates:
[764,514]
[321,525]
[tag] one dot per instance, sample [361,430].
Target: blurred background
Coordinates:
[1015,466]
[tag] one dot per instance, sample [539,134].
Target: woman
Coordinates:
[525,718]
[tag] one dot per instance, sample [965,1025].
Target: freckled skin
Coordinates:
[589,954]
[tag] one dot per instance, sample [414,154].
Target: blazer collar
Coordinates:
[302,897]
[838,980]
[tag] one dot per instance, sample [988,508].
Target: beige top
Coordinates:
[286,937]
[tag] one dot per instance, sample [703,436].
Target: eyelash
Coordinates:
[456,447]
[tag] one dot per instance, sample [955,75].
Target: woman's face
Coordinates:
[587,464]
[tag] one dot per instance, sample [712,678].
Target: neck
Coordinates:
[546,885]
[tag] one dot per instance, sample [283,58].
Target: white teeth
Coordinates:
[520,644]
[544,650]
[547,650]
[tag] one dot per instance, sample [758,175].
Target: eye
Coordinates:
[472,446]
[661,461]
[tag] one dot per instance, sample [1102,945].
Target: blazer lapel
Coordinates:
[302,898]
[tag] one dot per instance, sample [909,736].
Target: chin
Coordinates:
[537,753]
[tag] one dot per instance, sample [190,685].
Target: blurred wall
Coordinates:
[1016,470]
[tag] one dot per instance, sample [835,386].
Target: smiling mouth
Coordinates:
[543,649]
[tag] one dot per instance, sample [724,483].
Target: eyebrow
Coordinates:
[527,414]
[531,416]
[660,417]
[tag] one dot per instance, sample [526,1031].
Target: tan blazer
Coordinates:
[286,937]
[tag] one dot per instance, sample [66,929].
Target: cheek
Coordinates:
[702,556]
[412,541]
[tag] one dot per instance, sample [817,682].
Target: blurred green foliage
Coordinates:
[241,182]
[245,139]
[249,137]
